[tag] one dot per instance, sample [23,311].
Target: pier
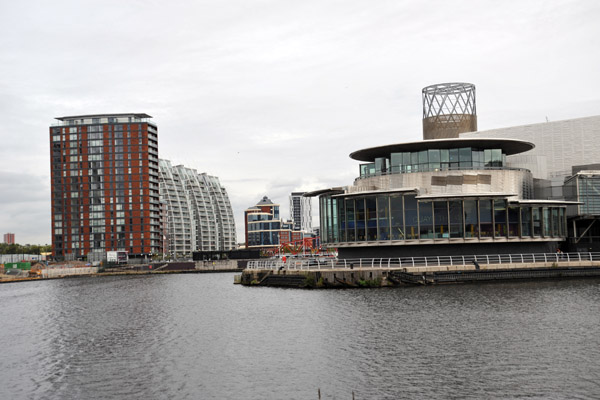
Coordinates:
[384,272]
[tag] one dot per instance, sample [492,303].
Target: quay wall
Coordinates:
[382,277]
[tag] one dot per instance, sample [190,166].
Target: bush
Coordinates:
[309,281]
[369,283]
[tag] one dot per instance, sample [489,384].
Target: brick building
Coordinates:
[9,238]
[104,185]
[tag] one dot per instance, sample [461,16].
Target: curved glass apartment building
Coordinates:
[199,214]
[460,193]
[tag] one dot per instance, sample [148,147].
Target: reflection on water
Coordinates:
[200,336]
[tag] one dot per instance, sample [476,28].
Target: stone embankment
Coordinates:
[397,276]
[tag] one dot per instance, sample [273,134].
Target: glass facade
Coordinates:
[589,188]
[394,217]
[435,160]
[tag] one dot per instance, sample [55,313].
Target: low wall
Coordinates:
[217,265]
[60,272]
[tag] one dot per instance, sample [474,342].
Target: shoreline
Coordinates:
[9,279]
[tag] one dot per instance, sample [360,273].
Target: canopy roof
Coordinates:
[508,147]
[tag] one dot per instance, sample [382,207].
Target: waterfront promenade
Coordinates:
[382,272]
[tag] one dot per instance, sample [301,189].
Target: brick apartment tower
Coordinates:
[104,172]
[9,238]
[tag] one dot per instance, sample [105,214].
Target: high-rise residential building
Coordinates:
[301,211]
[199,216]
[9,238]
[104,185]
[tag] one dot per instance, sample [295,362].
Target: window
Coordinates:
[360,220]
[350,220]
[456,219]
[470,212]
[383,218]
[397,217]
[434,160]
[411,217]
[485,218]
[440,215]
[396,162]
[500,218]
[526,221]
[513,221]
[371,218]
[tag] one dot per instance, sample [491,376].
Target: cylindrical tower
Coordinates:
[448,109]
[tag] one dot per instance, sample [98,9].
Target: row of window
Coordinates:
[403,217]
[435,160]
[263,238]
[264,226]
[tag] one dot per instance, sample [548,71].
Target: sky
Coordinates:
[271,96]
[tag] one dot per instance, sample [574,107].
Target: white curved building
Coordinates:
[199,214]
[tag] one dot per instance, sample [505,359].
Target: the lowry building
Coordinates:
[104,185]
[456,192]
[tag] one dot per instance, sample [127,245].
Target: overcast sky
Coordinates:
[271,96]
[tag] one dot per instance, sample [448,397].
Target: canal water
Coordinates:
[201,337]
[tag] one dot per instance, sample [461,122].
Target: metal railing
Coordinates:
[432,261]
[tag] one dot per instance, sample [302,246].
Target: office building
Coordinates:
[104,185]
[199,216]
[265,229]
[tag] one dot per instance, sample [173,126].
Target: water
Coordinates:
[201,337]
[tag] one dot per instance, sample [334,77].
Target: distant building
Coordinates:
[104,185]
[9,238]
[197,213]
[262,224]
[301,212]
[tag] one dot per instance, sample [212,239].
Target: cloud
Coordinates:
[272,96]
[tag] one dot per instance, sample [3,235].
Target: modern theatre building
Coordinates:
[444,195]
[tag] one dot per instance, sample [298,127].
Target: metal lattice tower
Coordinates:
[448,109]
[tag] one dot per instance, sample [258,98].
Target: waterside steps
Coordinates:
[334,273]
[284,280]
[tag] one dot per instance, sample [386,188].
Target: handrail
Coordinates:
[301,264]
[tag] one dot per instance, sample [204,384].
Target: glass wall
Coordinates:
[394,217]
[440,210]
[471,227]
[456,218]
[397,217]
[500,218]
[411,220]
[486,224]
[435,160]
[383,218]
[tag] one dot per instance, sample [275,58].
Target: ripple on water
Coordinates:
[200,336]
